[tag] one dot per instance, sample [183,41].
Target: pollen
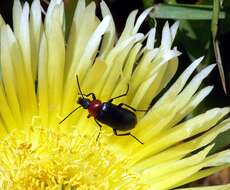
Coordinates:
[45,159]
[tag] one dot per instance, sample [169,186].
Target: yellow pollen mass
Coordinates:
[47,159]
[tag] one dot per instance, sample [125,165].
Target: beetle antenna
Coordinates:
[79,88]
[69,115]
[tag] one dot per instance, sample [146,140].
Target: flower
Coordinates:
[38,88]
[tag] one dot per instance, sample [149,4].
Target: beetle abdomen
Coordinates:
[117,117]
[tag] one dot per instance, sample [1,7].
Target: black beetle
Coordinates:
[115,116]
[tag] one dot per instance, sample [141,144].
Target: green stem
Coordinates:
[214,29]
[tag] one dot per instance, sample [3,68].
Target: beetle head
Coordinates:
[84,102]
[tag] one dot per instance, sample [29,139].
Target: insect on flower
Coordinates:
[115,116]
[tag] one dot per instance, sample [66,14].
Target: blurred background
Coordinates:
[204,30]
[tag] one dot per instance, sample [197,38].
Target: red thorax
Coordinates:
[94,107]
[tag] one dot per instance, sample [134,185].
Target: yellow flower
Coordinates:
[38,88]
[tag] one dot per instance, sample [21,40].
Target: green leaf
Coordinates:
[214,29]
[221,142]
[148,3]
[194,36]
[184,12]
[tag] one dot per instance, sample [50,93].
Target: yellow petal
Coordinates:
[173,166]
[8,74]
[43,96]
[216,187]
[22,33]
[35,34]
[181,150]
[56,61]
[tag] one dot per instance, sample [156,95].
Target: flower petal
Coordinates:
[180,132]
[173,166]
[180,82]
[35,33]
[8,74]
[56,61]
[151,39]
[141,19]
[43,96]
[127,32]
[22,33]
[2,22]
[201,174]
[216,187]
[179,151]
[109,37]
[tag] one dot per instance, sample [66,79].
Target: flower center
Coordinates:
[48,159]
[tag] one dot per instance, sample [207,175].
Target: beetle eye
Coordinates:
[79,100]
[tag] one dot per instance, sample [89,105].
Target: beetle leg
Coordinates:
[125,94]
[126,134]
[100,126]
[130,107]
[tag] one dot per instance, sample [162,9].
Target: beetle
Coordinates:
[115,116]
